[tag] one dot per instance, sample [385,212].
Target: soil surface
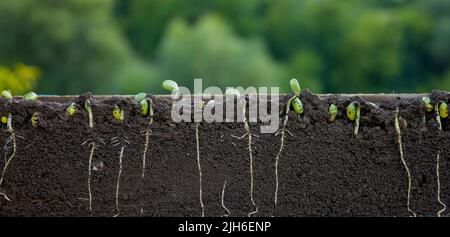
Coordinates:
[324,169]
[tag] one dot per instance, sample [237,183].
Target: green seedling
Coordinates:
[353,114]
[144,107]
[35,119]
[298,108]
[118,113]
[170,85]
[427,103]
[146,110]
[30,96]
[295,87]
[88,108]
[71,109]
[332,112]
[443,110]
[139,97]
[351,111]
[297,105]
[7,94]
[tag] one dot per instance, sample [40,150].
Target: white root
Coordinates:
[400,147]
[438,116]
[444,207]
[118,181]
[197,143]
[277,158]
[223,198]
[249,147]
[358,115]
[147,134]
[12,139]
[90,174]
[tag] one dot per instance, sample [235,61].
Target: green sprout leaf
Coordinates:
[140,97]
[232,92]
[87,107]
[351,111]
[170,85]
[298,105]
[118,113]
[30,96]
[71,109]
[427,103]
[295,87]
[332,112]
[7,94]
[35,119]
[443,109]
[144,107]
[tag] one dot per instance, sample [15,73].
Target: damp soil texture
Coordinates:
[323,169]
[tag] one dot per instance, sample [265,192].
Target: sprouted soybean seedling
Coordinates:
[146,111]
[298,108]
[118,113]
[354,114]
[92,142]
[10,144]
[242,103]
[408,173]
[441,110]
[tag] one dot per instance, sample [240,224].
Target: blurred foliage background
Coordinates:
[123,47]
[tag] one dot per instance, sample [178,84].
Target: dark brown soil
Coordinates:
[324,169]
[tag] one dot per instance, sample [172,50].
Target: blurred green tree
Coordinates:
[75,42]
[19,79]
